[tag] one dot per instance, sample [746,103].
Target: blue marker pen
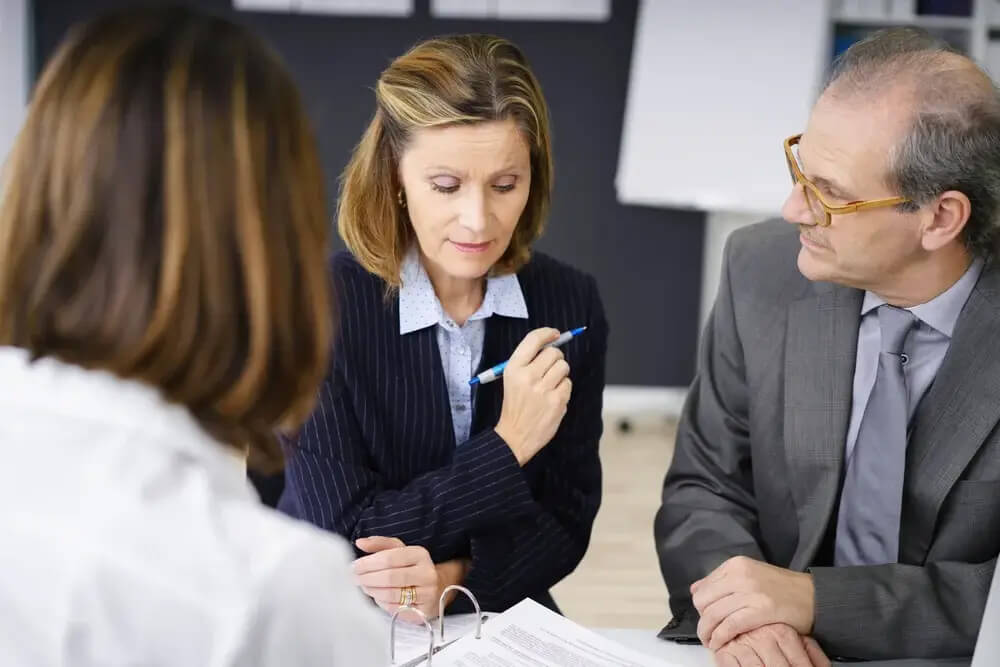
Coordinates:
[492,374]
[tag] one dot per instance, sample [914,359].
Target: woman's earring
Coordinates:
[400,199]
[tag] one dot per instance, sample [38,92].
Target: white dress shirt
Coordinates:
[129,537]
[461,347]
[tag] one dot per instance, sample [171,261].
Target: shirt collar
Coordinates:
[420,308]
[942,311]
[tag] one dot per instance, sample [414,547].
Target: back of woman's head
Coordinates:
[163,218]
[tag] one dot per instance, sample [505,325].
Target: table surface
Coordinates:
[646,641]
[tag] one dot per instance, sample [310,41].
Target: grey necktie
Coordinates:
[871,502]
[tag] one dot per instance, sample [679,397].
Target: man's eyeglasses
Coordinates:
[821,209]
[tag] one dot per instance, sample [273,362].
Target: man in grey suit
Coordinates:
[837,469]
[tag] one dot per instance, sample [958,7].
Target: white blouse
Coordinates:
[130,537]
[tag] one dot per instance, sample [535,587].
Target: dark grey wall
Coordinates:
[647,261]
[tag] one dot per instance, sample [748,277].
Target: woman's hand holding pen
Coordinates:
[391,567]
[536,389]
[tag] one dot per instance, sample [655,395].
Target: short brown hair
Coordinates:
[163,218]
[952,137]
[443,81]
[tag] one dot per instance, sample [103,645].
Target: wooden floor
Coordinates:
[618,584]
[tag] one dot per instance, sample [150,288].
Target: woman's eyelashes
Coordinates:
[450,186]
[446,189]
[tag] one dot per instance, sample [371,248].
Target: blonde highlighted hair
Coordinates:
[439,82]
[164,219]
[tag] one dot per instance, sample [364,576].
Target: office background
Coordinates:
[584,70]
[667,119]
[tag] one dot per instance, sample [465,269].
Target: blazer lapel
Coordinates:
[820,351]
[954,418]
[420,364]
[503,335]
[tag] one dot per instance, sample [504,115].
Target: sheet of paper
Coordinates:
[411,640]
[357,7]
[554,10]
[524,10]
[345,7]
[264,5]
[529,635]
[462,9]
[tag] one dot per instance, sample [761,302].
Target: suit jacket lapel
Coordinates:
[955,416]
[427,378]
[820,351]
[503,334]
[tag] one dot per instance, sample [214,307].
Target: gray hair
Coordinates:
[953,138]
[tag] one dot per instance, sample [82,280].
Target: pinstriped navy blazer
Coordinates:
[378,456]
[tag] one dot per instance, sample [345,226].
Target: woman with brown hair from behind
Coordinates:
[164,311]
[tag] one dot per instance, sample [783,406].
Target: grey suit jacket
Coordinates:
[760,459]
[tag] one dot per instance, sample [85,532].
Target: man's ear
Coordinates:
[945,220]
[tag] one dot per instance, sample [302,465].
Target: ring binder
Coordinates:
[392,634]
[412,660]
[475,603]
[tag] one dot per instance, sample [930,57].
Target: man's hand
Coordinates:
[393,566]
[743,594]
[776,645]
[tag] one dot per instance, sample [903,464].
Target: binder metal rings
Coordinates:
[392,634]
[475,603]
[430,631]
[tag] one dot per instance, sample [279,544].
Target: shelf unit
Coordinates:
[977,33]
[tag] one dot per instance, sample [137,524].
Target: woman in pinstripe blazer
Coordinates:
[494,487]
